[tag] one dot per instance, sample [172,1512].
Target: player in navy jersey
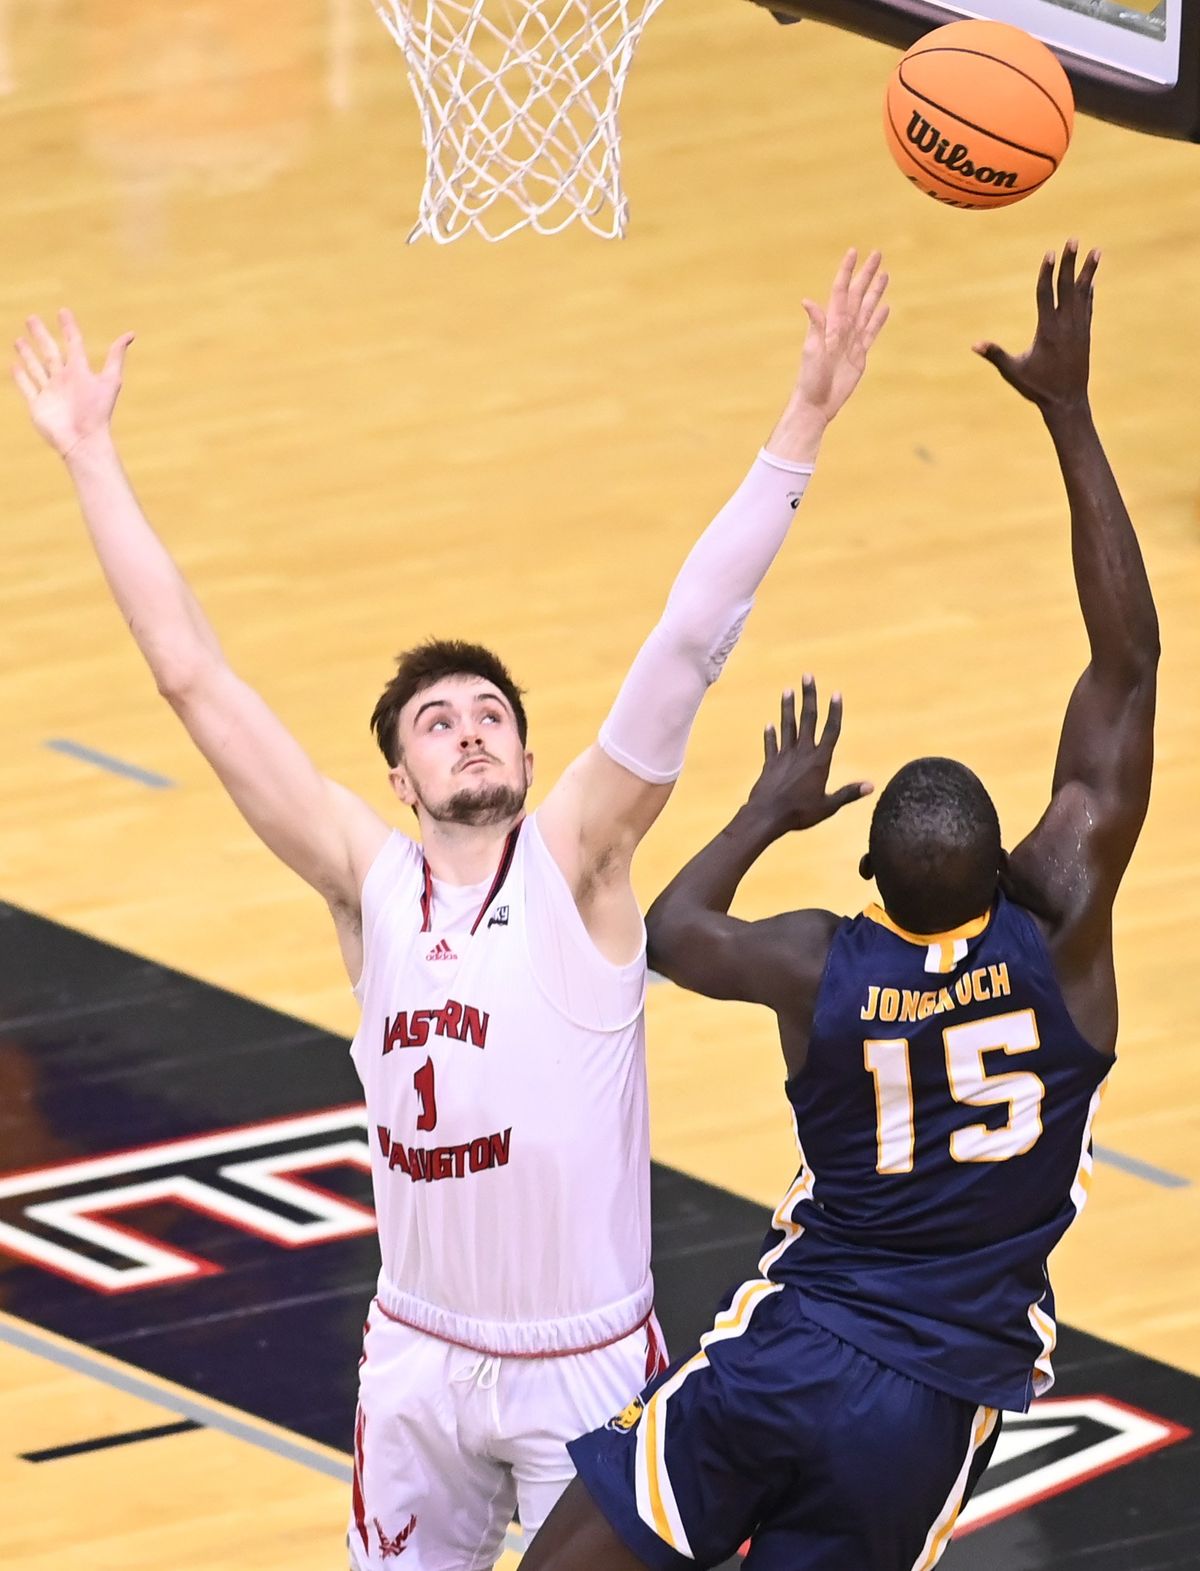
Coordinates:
[946,1052]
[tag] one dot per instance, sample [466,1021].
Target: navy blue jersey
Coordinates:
[944,1121]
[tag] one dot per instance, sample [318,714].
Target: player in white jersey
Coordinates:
[500,966]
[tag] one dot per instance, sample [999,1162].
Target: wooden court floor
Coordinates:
[350,444]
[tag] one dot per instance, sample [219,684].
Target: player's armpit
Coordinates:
[594,817]
[1070,866]
[321,830]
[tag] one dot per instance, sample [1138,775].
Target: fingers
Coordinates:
[1087,273]
[770,744]
[47,346]
[996,356]
[866,278]
[1066,275]
[114,361]
[25,382]
[875,326]
[1045,287]
[808,710]
[72,337]
[33,367]
[787,719]
[816,317]
[869,303]
[806,732]
[841,281]
[847,794]
[833,724]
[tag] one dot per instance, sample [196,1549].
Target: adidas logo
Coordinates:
[441,951]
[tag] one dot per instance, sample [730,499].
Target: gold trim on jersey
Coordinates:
[656,1503]
[939,1534]
[1046,1331]
[944,951]
[783,1220]
[1082,1184]
[971,929]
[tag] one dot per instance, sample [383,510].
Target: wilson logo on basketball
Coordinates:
[927,139]
[978,114]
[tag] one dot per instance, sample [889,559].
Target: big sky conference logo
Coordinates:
[263,1180]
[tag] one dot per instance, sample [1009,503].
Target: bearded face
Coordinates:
[482,803]
[462,760]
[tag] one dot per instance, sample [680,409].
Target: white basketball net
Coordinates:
[518,104]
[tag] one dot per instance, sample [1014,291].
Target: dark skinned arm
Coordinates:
[777,962]
[1070,867]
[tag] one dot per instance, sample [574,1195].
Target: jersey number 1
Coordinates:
[423,1085]
[1020,1091]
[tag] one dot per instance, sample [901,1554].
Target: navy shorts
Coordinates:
[778,1432]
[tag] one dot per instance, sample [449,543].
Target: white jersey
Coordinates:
[503,1061]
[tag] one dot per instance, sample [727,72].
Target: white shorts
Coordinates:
[447,1442]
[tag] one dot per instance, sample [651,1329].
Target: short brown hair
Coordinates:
[430,662]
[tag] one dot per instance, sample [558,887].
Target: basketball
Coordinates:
[978,114]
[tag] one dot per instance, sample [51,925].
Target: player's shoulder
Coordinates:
[810,925]
[391,864]
[801,940]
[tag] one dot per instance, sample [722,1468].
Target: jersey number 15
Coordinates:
[970,1084]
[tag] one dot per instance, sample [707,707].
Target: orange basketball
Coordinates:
[978,114]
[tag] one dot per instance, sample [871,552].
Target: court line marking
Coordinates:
[128,1437]
[115,766]
[175,1399]
[188,1404]
[1139,1169]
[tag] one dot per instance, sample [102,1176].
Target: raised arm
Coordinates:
[1072,863]
[777,962]
[596,815]
[321,830]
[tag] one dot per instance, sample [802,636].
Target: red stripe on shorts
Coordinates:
[656,1353]
[360,1510]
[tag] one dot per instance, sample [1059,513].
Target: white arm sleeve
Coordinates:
[649,724]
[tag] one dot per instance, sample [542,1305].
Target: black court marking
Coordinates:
[102,1052]
[131,1437]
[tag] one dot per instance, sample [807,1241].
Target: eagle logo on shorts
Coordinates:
[394,1546]
[627,1418]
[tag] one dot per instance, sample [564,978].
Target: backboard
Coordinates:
[1135,62]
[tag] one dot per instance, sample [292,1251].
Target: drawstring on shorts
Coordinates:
[484,1372]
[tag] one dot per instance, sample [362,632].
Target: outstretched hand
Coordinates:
[1053,371]
[68,401]
[841,333]
[795,772]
